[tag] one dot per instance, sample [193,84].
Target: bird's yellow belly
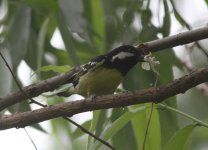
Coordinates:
[99,82]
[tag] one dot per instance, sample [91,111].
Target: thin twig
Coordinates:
[31,139]
[199,122]
[86,131]
[147,127]
[18,84]
[150,116]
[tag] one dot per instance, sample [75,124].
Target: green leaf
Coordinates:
[57,69]
[119,140]
[100,124]
[153,139]
[60,126]
[97,125]
[41,41]
[96,25]
[18,35]
[118,125]
[3,11]
[168,120]
[68,40]
[31,55]
[78,132]
[166,20]
[40,5]
[178,141]
[39,128]
[178,16]
[61,56]
[72,12]
[128,15]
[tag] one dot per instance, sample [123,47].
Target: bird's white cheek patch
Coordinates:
[122,55]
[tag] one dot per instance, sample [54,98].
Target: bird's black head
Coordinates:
[123,58]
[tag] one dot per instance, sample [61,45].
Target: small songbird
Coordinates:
[104,73]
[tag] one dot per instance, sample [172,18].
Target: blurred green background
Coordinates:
[36,33]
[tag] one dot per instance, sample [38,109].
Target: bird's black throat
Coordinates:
[122,66]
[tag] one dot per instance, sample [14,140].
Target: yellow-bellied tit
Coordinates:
[104,73]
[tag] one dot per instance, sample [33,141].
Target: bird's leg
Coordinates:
[93,98]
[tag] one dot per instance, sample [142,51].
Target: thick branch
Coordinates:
[175,40]
[52,83]
[34,90]
[155,95]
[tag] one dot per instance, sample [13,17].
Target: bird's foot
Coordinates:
[93,98]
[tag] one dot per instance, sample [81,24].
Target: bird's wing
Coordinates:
[77,73]
[91,65]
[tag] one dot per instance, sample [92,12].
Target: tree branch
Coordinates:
[175,40]
[155,95]
[52,83]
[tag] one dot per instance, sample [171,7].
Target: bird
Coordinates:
[103,74]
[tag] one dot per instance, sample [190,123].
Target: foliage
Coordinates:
[90,28]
